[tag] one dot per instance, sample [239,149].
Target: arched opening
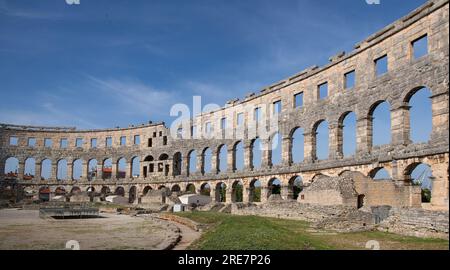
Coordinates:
[420,114]
[207,158]
[297,146]
[237,193]
[276,149]
[107,168]
[163,157]
[46,169]
[256,153]
[175,189]
[205,189]
[92,169]
[177,163]
[320,133]
[121,168]
[221,191]
[190,188]
[120,191]
[135,167]
[348,136]
[75,191]
[77,169]
[60,191]
[105,191]
[274,187]
[295,187]
[30,168]
[381,123]
[132,194]
[12,167]
[380,173]
[192,157]
[61,170]
[149,158]
[222,158]
[44,194]
[238,156]
[420,174]
[255,191]
[146,190]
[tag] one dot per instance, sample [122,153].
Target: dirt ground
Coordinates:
[23,229]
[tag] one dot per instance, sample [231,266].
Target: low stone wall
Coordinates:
[290,210]
[405,221]
[417,222]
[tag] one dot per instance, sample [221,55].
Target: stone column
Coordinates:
[335,141]
[245,194]
[53,174]
[229,194]
[200,162]
[99,171]
[248,157]
[230,160]
[400,126]
[69,170]
[440,116]
[309,147]
[129,171]
[84,170]
[21,170]
[214,162]
[186,172]
[114,170]
[266,153]
[37,171]
[264,192]
[284,192]
[364,135]
[286,151]
[440,182]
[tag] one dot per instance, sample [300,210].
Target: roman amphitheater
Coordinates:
[137,160]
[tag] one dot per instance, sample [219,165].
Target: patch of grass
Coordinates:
[230,232]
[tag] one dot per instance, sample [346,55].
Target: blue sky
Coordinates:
[114,63]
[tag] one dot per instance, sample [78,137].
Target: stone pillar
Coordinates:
[99,171]
[37,171]
[129,171]
[230,160]
[264,192]
[364,135]
[245,194]
[229,194]
[70,170]
[335,141]
[309,147]
[186,172]
[215,162]
[440,190]
[53,174]
[114,170]
[84,170]
[200,162]
[21,170]
[440,116]
[286,151]
[400,126]
[284,192]
[266,155]
[248,157]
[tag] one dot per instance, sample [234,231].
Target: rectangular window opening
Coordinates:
[420,47]
[381,65]
[323,90]
[349,78]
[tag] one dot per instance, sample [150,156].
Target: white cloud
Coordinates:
[134,97]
